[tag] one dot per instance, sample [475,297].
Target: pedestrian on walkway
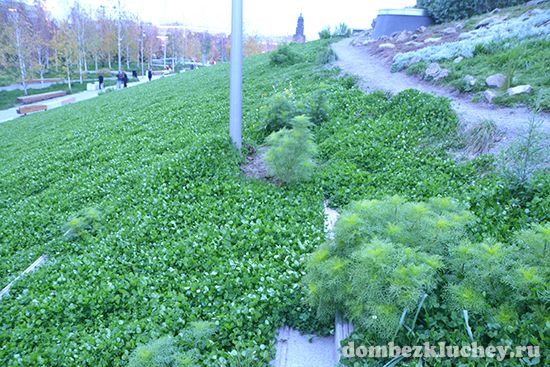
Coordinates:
[125,79]
[119,79]
[100,79]
[149,74]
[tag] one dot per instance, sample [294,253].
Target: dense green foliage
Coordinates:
[327,56]
[325,33]
[284,55]
[180,351]
[525,63]
[169,231]
[378,146]
[448,10]
[291,152]
[317,106]
[182,234]
[392,263]
[279,111]
[342,30]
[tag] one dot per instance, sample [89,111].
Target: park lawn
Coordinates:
[138,200]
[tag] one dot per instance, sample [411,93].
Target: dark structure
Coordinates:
[299,37]
[398,20]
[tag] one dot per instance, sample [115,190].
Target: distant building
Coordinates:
[299,37]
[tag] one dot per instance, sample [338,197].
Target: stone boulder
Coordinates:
[435,72]
[386,45]
[403,37]
[490,95]
[470,80]
[520,89]
[496,80]
[488,22]
[449,30]
[432,40]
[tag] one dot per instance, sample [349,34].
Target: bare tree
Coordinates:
[21,36]
[67,45]
[79,19]
[41,26]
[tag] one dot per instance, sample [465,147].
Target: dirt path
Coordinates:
[375,74]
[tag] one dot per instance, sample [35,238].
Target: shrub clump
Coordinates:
[326,56]
[278,112]
[168,351]
[284,56]
[390,259]
[342,30]
[317,106]
[85,222]
[158,353]
[481,136]
[325,33]
[448,10]
[290,154]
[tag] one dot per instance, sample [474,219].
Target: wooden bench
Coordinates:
[24,110]
[40,97]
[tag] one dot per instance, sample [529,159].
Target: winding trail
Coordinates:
[374,74]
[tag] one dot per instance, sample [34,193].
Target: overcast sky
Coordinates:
[265,17]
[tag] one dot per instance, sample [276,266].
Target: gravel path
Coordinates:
[375,74]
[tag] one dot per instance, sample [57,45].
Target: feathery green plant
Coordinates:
[290,154]
[181,351]
[525,156]
[389,256]
[161,352]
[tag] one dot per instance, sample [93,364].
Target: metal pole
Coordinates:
[236,99]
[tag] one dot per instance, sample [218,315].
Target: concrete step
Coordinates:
[297,350]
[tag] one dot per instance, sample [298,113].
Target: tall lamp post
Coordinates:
[236,98]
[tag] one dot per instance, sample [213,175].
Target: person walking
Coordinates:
[125,79]
[100,79]
[119,79]
[150,74]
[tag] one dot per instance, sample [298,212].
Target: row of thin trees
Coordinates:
[87,41]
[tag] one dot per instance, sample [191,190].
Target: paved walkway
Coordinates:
[11,113]
[295,349]
[375,74]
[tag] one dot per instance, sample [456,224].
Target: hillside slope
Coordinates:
[138,201]
[512,42]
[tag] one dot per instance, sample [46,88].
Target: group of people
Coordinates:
[122,78]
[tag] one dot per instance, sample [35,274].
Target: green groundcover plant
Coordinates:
[182,235]
[393,265]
